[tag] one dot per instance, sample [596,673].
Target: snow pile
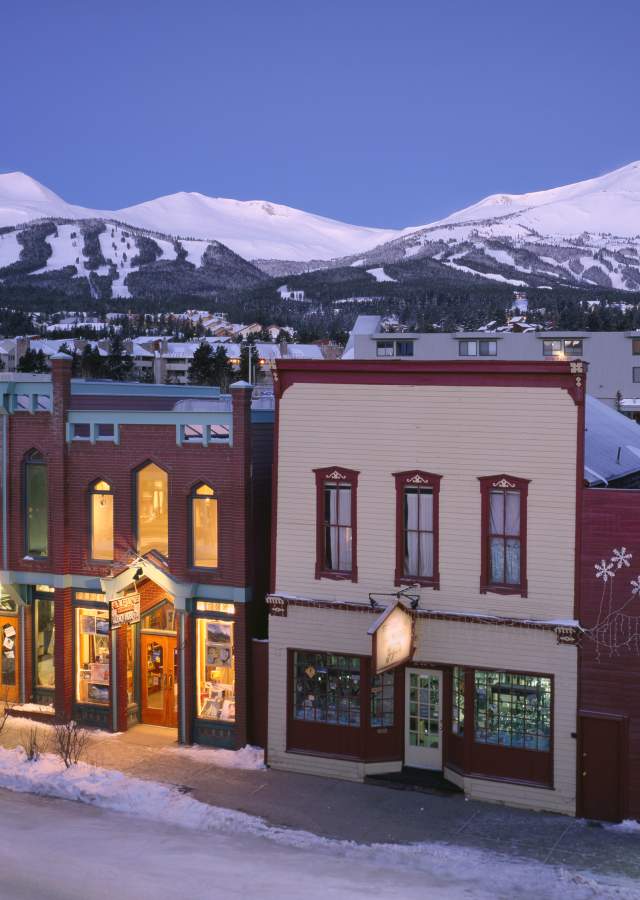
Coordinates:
[246,758]
[478,873]
[629,826]
[34,708]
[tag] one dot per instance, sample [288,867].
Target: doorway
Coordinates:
[423,719]
[601,767]
[9,681]
[159,688]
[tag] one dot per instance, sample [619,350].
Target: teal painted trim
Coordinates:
[80,387]
[149,417]
[222,592]
[79,582]
[262,415]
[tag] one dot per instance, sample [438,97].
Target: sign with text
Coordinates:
[392,635]
[125,610]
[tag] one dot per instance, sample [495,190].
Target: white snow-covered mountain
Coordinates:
[585,233]
[255,229]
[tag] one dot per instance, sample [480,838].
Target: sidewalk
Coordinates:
[360,812]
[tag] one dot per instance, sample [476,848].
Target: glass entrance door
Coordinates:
[159,689]
[423,719]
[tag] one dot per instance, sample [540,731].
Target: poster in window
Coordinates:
[87,624]
[102,626]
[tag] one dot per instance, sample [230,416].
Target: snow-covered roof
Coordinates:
[612,444]
[362,325]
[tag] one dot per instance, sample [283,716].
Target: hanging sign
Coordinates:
[392,637]
[125,610]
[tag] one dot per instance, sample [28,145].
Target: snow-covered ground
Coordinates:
[380,275]
[168,840]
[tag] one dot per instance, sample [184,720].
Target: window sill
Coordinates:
[506,590]
[337,576]
[406,581]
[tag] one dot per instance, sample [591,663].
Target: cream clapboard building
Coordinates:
[449,491]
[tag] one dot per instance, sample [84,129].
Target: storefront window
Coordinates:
[153,516]
[92,656]
[212,606]
[457,712]
[101,521]
[131,664]
[204,527]
[215,670]
[382,699]
[37,505]
[513,710]
[162,618]
[44,629]
[8,675]
[7,603]
[326,688]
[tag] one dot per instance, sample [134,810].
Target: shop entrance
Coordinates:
[9,682]
[159,667]
[423,718]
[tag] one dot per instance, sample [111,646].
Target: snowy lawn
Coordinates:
[459,871]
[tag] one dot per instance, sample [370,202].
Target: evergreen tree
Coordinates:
[32,361]
[75,359]
[222,369]
[119,363]
[202,369]
[91,365]
[249,362]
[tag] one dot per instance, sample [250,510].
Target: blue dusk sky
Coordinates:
[387,114]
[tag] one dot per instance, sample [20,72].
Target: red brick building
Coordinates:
[134,536]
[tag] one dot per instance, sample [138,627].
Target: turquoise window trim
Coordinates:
[79,387]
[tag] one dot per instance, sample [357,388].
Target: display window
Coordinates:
[101,521]
[131,663]
[513,710]
[152,494]
[383,700]
[215,670]
[93,655]
[327,688]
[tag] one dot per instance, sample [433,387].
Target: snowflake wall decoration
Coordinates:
[621,558]
[615,629]
[604,570]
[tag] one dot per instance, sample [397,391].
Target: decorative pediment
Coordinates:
[503,483]
[336,476]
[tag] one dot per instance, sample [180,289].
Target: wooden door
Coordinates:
[159,689]
[423,719]
[9,674]
[600,767]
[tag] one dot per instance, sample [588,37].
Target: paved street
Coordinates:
[341,810]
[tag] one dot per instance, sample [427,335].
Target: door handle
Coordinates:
[583,774]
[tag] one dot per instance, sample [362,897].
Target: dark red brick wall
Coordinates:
[63,653]
[611,683]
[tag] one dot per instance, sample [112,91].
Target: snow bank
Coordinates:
[629,826]
[246,758]
[479,873]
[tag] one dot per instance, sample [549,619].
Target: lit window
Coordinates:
[204,527]
[152,508]
[101,521]
[552,348]
[44,629]
[37,505]
[215,670]
[92,656]
[513,710]
[209,606]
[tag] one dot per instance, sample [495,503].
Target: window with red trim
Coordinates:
[504,530]
[417,496]
[336,490]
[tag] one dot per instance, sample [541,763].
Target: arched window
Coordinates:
[101,533]
[152,496]
[36,491]
[204,527]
